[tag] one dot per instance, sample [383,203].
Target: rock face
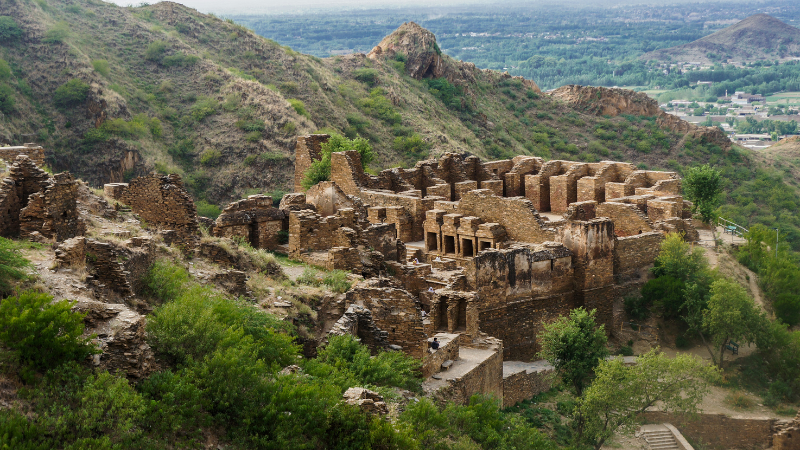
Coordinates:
[424,59]
[368,401]
[120,335]
[614,102]
[607,101]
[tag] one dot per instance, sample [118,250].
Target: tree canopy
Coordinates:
[731,316]
[703,186]
[574,345]
[320,170]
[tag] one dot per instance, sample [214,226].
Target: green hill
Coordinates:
[113,92]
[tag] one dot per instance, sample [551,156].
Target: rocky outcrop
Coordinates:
[602,101]
[607,101]
[424,59]
[368,401]
[120,337]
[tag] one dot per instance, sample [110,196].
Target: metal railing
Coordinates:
[731,227]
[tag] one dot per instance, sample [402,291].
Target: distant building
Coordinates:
[705,83]
[741,98]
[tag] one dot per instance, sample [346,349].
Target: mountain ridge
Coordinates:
[757,37]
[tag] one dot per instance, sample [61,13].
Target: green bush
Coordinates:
[7,99]
[206,209]
[71,93]
[43,333]
[204,107]
[366,75]
[180,60]
[666,292]
[12,265]
[320,170]
[335,279]
[155,51]
[5,70]
[58,33]
[210,157]
[101,66]
[637,308]
[413,146]
[299,107]
[377,105]
[9,30]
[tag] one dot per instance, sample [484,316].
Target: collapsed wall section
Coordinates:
[161,201]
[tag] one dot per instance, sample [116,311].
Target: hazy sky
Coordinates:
[285,6]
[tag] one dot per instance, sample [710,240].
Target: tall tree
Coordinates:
[731,316]
[619,393]
[574,345]
[702,186]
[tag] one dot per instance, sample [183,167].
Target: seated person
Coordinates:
[434,345]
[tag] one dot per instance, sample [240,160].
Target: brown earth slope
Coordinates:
[755,38]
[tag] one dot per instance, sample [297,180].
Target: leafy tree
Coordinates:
[9,30]
[666,292]
[619,393]
[11,264]
[320,170]
[703,186]
[574,345]
[71,93]
[43,333]
[7,100]
[731,316]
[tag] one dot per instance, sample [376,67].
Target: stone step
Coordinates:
[446,365]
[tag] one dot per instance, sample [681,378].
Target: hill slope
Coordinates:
[755,38]
[113,92]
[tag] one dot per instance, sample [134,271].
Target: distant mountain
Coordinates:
[756,38]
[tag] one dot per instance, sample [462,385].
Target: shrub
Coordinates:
[180,60]
[7,100]
[637,308]
[210,157]
[299,107]
[71,93]
[11,264]
[5,70]
[204,107]
[739,400]
[58,33]
[155,51]
[41,332]
[206,209]
[320,170]
[377,105]
[9,30]
[253,136]
[101,67]
[289,127]
[251,125]
[413,146]
[666,292]
[365,75]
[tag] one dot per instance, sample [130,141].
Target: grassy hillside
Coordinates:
[114,92]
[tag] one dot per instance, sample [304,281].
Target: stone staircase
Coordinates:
[660,439]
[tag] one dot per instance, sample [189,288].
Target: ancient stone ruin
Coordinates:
[37,206]
[163,202]
[480,255]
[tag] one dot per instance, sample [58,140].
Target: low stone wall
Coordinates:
[523,381]
[485,378]
[448,350]
[719,432]
[34,152]
[634,255]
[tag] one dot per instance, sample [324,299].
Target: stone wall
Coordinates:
[523,381]
[34,152]
[395,311]
[448,351]
[635,255]
[517,215]
[161,201]
[787,435]
[486,377]
[357,321]
[719,432]
[25,178]
[592,245]
[307,149]
[253,220]
[53,212]
[628,219]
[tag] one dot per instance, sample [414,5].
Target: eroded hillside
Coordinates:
[166,88]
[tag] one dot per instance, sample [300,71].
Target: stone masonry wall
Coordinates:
[628,219]
[53,212]
[306,150]
[719,432]
[395,311]
[634,255]
[525,384]
[161,201]
[516,214]
[34,152]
